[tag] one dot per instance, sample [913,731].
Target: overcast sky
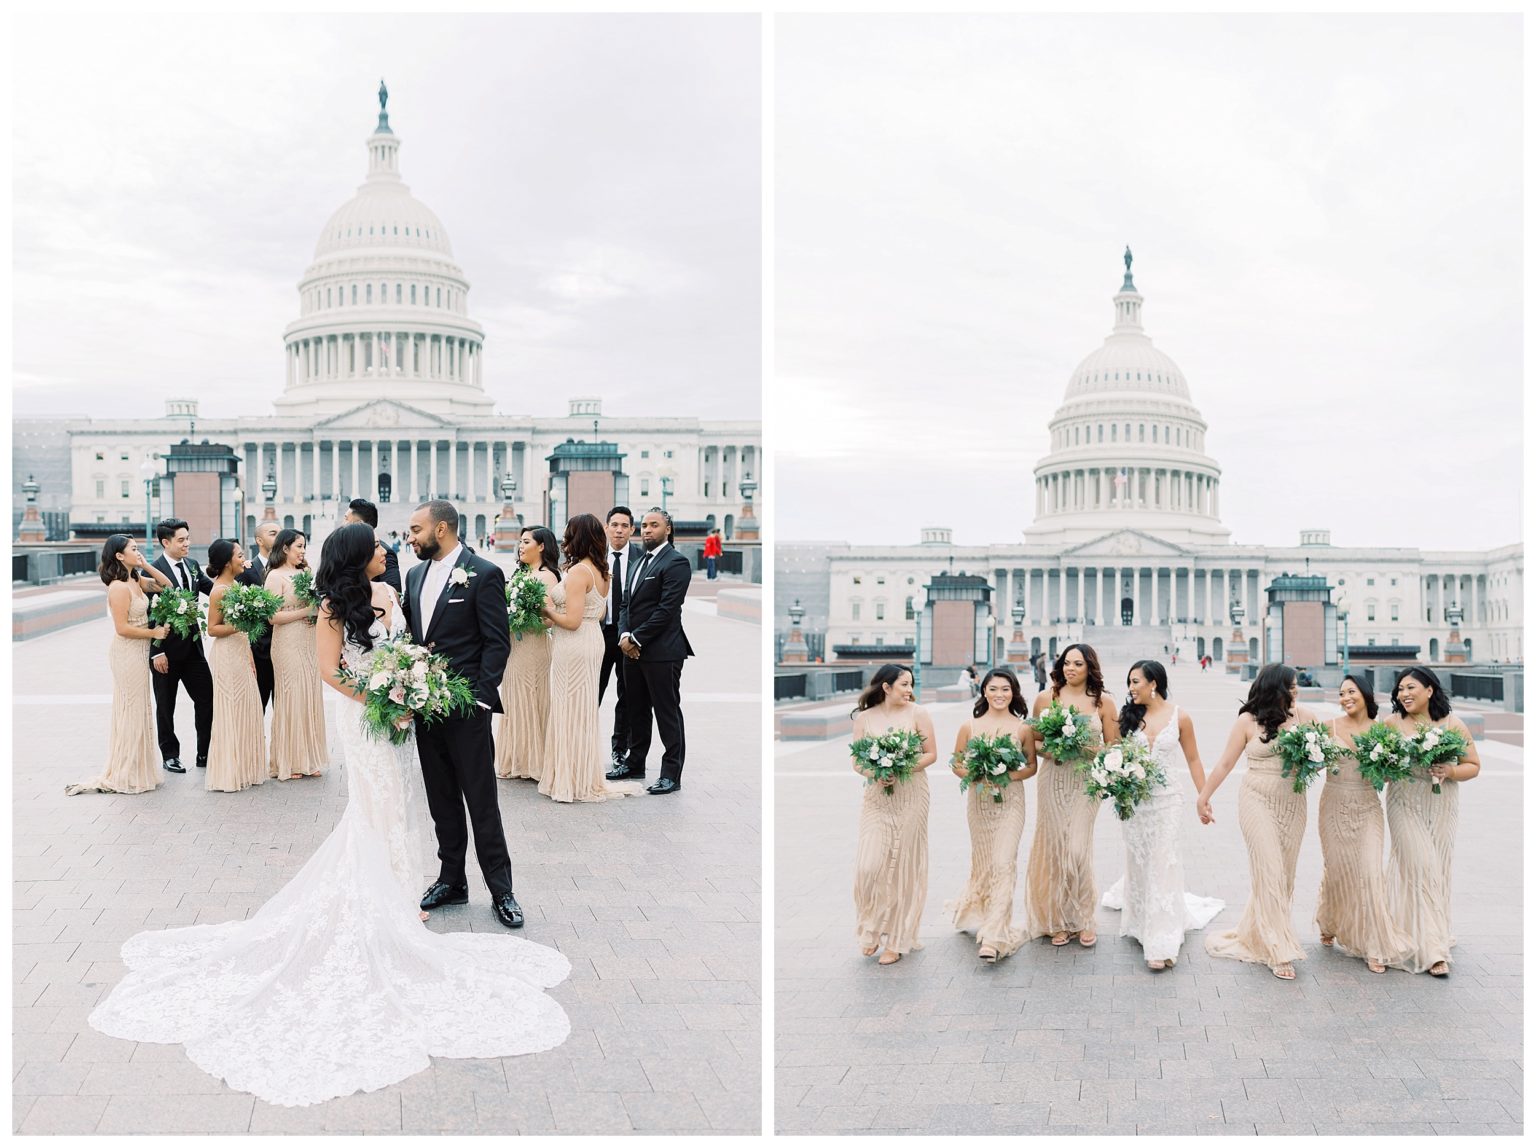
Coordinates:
[598,177]
[1326,219]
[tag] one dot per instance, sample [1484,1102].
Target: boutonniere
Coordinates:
[461,576]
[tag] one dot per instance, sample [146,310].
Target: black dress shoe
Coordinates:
[441,894]
[664,785]
[202,763]
[508,911]
[623,772]
[173,765]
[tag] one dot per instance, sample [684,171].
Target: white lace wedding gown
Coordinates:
[335,985]
[1154,908]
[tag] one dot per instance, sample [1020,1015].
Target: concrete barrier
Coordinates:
[955,693]
[740,603]
[818,724]
[32,617]
[1474,723]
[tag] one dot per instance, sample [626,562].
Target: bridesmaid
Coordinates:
[525,684]
[890,877]
[236,759]
[1059,891]
[985,907]
[575,764]
[1352,911]
[1423,825]
[131,764]
[298,711]
[1272,817]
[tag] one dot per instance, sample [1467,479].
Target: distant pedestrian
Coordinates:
[712,552]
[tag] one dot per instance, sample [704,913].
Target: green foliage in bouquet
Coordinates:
[1306,750]
[525,604]
[1124,773]
[249,609]
[304,590]
[407,679]
[988,760]
[1435,745]
[888,758]
[181,610]
[1065,735]
[1383,755]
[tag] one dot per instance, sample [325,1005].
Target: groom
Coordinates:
[455,603]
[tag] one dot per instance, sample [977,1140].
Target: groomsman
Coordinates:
[361,510]
[255,574]
[180,661]
[651,637]
[622,555]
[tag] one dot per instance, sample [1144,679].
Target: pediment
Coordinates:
[1127,544]
[381,414]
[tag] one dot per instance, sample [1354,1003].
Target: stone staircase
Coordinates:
[1119,646]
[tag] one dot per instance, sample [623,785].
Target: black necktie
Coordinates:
[182,570]
[615,592]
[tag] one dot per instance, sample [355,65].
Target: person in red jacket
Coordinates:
[712,551]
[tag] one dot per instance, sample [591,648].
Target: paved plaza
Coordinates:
[656,901]
[1089,1041]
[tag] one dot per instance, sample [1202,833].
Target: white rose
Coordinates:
[181,607]
[1315,755]
[459,577]
[1376,751]
[379,681]
[1067,728]
[1431,738]
[419,670]
[1099,777]
[874,753]
[999,768]
[1137,772]
[1311,736]
[1113,759]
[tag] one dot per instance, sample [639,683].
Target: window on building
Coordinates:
[1370,581]
[911,614]
[855,639]
[879,611]
[880,580]
[858,580]
[1370,613]
[1141,433]
[101,488]
[123,457]
[645,454]
[911,581]
[1101,432]
[327,296]
[398,291]
[1394,613]
[413,294]
[125,488]
[1394,581]
[368,293]
[1114,431]
[666,454]
[858,611]
[706,488]
[1370,641]
[101,518]
[439,296]
[354,294]
[101,456]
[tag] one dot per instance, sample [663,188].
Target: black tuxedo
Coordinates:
[186,665]
[469,628]
[261,649]
[613,657]
[653,618]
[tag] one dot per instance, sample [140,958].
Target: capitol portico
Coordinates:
[385,397]
[1127,549]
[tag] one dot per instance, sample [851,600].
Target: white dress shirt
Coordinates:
[620,581]
[645,564]
[432,583]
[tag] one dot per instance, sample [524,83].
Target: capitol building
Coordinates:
[1127,550]
[385,397]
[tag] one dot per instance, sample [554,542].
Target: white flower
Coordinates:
[1376,751]
[1311,737]
[1067,728]
[1113,759]
[379,681]
[461,576]
[419,670]
[874,753]
[1099,777]
[1137,772]
[1431,739]
[1315,754]
[999,768]
[181,607]
[885,763]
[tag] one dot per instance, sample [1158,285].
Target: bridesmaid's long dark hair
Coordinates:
[1366,691]
[584,538]
[279,555]
[874,693]
[549,556]
[1095,681]
[342,581]
[1016,704]
[1439,702]
[113,568]
[1269,699]
[1131,714]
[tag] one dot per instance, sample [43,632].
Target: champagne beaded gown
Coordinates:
[131,746]
[890,877]
[523,724]
[1060,895]
[1273,818]
[1352,898]
[985,906]
[575,759]
[1423,825]
[236,752]
[298,710]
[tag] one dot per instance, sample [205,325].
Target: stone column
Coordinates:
[1137,616]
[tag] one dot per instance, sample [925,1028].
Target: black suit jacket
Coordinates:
[636,554]
[469,625]
[256,575]
[653,608]
[180,649]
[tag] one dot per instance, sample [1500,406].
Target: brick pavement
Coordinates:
[1089,1041]
[655,901]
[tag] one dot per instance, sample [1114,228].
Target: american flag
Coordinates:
[386,353]
[1120,478]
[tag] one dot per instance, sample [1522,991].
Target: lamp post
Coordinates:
[1341,609]
[506,524]
[795,650]
[746,527]
[150,472]
[917,652]
[666,490]
[239,497]
[269,492]
[991,639]
[1237,648]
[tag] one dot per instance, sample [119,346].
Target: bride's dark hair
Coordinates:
[342,580]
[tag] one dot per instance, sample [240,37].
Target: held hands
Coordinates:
[405,720]
[1203,808]
[1442,770]
[160,632]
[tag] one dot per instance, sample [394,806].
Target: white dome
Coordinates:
[381,216]
[1127,363]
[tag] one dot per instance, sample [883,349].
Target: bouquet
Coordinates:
[891,756]
[249,609]
[1435,745]
[1383,755]
[987,761]
[1125,772]
[525,604]
[1306,749]
[181,610]
[407,679]
[1064,733]
[304,590]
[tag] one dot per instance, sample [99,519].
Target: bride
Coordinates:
[335,985]
[1155,908]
